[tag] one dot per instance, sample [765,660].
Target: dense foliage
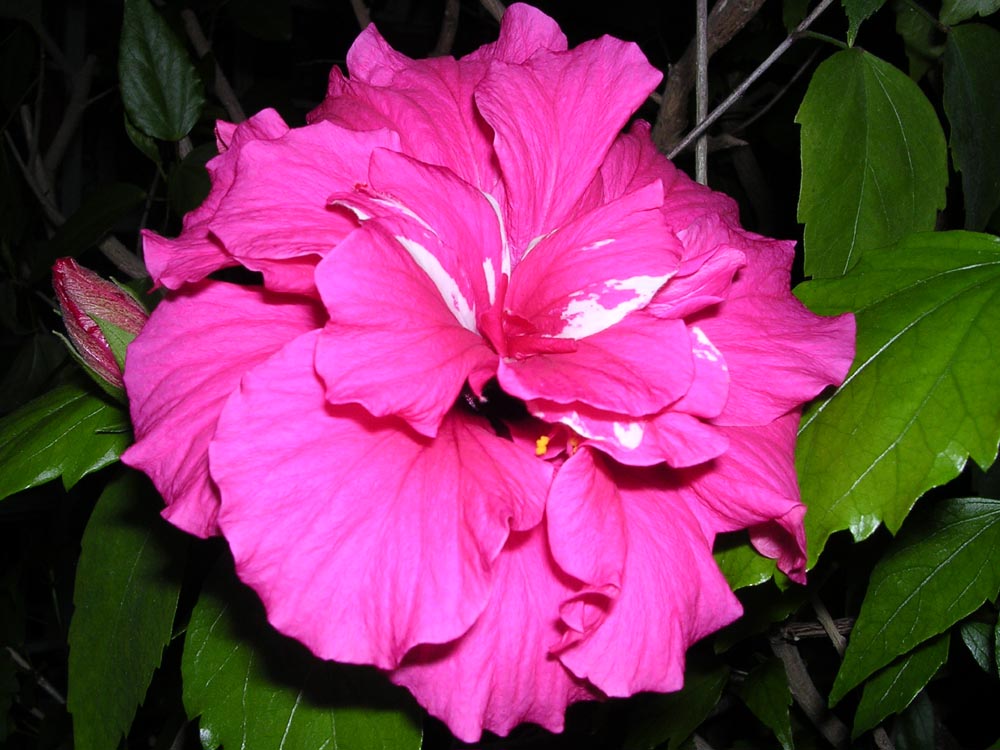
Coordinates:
[874,139]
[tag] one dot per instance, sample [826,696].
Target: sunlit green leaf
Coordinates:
[892,690]
[255,689]
[972,103]
[955,11]
[658,720]
[874,162]
[941,567]
[766,694]
[979,637]
[924,391]
[61,433]
[857,11]
[127,584]
[160,87]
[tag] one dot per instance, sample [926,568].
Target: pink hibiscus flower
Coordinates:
[508,375]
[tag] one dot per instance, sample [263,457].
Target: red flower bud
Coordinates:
[85,298]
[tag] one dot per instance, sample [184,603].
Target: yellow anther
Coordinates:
[541,445]
[573,445]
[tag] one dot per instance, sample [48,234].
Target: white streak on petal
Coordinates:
[491,279]
[587,316]
[504,244]
[446,285]
[705,348]
[629,434]
[356,210]
[596,245]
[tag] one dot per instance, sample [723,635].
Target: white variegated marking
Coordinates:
[491,280]
[629,434]
[504,243]
[392,203]
[596,245]
[356,210]
[446,285]
[705,348]
[586,316]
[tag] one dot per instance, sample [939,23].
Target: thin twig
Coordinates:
[725,20]
[761,111]
[804,692]
[882,741]
[701,90]
[39,680]
[495,8]
[222,88]
[449,27]
[751,79]
[71,117]
[823,615]
[796,631]
[361,13]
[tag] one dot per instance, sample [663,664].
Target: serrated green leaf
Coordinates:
[941,567]
[96,216]
[972,103]
[146,144]
[874,162]
[979,638]
[257,690]
[923,393]
[740,563]
[766,694]
[857,11]
[161,89]
[955,11]
[127,585]
[894,688]
[667,720]
[58,434]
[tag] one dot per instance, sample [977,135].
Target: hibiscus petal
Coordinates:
[500,673]
[670,437]
[195,253]
[779,354]
[401,338]
[753,486]
[179,372]
[636,367]
[672,592]
[362,538]
[591,273]
[550,151]
[523,31]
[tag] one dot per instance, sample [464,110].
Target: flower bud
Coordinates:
[89,303]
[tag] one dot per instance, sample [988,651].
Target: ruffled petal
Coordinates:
[361,538]
[674,438]
[672,592]
[636,367]
[779,354]
[276,210]
[179,372]
[524,30]
[591,273]
[500,673]
[196,253]
[752,486]
[402,335]
[551,150]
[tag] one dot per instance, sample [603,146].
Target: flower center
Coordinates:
[499,408]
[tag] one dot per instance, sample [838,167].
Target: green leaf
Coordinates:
[979,638]
[257,690]
[793,12]
[921,38]
[894,688]
[955,11]
[670,719]
[914,729]
[96,216]
[740,563]
[189,182]
[270,20]
[923,393]
[874,162]
[941,567]
[972,103]
[59,434]
[857,11]
[127,585]
[161,89]
[118,339]
[146,144]
[766,694]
